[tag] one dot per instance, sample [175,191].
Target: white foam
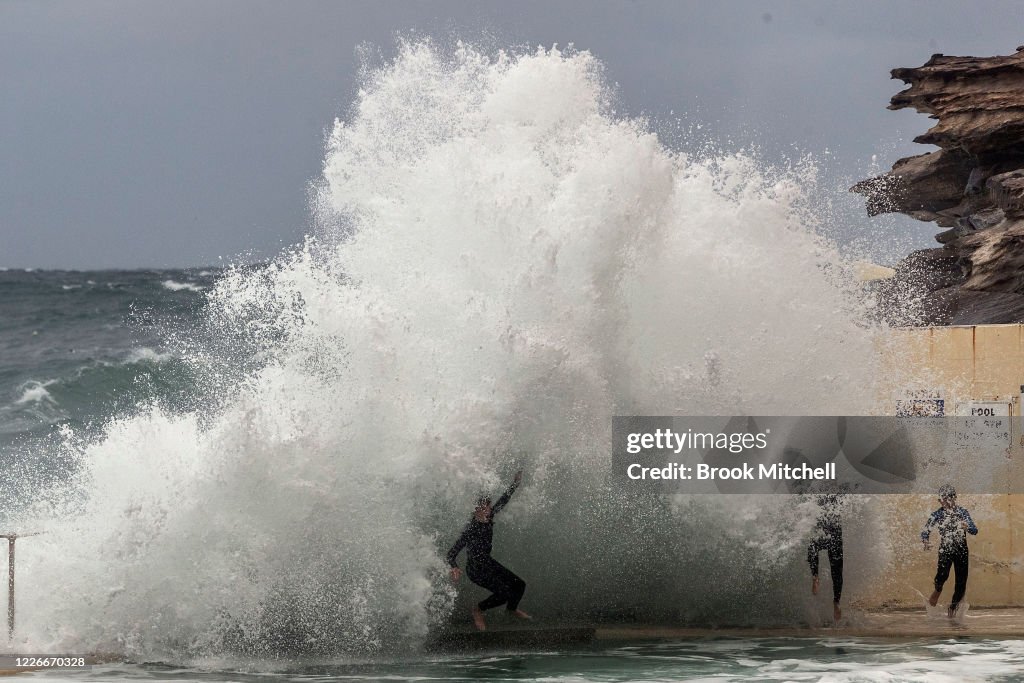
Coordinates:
[35,392]
[179,286]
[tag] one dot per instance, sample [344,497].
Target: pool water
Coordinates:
[720,660]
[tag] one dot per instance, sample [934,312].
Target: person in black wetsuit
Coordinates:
[828,537]
[954,523]
[482,569]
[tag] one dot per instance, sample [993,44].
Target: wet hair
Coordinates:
[947,492]
[483,500]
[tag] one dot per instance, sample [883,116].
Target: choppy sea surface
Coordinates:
[78,347]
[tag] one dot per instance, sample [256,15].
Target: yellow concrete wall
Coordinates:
[984,362]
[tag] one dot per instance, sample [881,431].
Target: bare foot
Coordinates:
[837,612]
[814,585]
[478,619]
[934,599]
[520,614]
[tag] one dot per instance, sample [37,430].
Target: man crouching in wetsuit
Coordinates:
[482,569]
[954,523]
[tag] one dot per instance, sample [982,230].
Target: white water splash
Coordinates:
[502,265]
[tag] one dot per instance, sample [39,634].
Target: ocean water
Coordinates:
[722,660]
[241,472]
[77,348]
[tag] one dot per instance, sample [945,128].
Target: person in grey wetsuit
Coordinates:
[953,523]
[482,569]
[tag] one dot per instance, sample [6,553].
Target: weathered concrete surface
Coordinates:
[527,637]
[867,624]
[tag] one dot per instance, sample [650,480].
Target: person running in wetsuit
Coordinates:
[828,537]
[954,523]
[482,569]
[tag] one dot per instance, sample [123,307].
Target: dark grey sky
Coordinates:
[168,133]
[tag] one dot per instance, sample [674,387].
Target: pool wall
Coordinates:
[960,366]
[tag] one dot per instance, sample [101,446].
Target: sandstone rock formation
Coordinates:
[973,187]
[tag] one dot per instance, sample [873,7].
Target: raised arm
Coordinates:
[503,501]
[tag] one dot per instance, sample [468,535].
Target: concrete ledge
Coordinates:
[515,638]
[901,624]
